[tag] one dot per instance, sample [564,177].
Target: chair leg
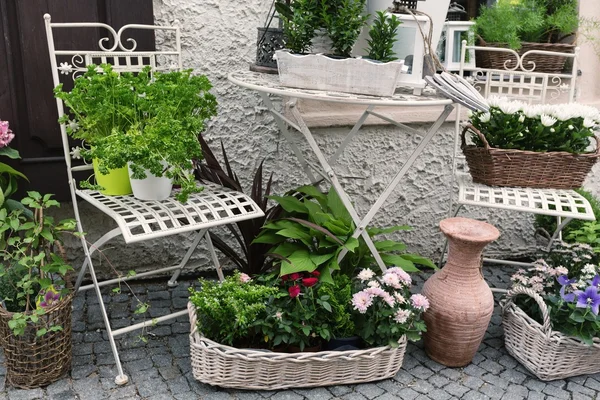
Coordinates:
[173,281]
[213,255]
[558,232]
[441,260]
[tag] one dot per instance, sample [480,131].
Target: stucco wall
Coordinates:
[219,37]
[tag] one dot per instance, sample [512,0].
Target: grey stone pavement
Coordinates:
[160,369]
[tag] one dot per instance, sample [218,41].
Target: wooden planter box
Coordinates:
[350,75]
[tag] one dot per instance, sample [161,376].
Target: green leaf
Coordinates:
[296,233]
[268,238]
[326,275]
[41,332]
[398,260]
[290,204]
[306,330]
[417,259]
[299,261]
[338,209]
[10,153]
[286,248]
[351,244]
[319,259]
[327,306]
[312,191]
[34,318]
[389,245]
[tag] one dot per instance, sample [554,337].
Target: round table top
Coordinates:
[269,83]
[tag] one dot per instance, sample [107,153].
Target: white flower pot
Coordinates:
[152,187]
[349,75]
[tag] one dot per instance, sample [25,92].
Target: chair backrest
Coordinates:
[517,79]
[115,49]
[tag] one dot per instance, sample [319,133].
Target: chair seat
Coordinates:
[142,220]
[555,202]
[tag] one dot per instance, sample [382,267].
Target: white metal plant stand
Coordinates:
[266,84]
[139,220]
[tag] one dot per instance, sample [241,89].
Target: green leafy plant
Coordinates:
[542,128]
[316,227]
[251,257]
[35,272]
[300,20]
[227,311]
[343,20]
[382,37]
[149,121]
[340,295]
[537,21]
[571,295]
[385,310]
[588,233]
[548,223]
[299,314]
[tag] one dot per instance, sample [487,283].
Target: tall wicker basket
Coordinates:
[38,361]
[548,354]
[506,167]
[225,366]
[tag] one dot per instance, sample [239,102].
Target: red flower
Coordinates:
[285,277]
[308,282]
[294,291]
[315,273]
[295,276]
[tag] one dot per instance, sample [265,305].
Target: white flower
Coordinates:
[76,152]
[531,111]
[65,68]
[552,130]
[73,125]
[588,122]
[547,120]
[373,284]
[365,274]
[495,101]
[521,118]
[485,117]
[570,127]
[278,315]
[511,107]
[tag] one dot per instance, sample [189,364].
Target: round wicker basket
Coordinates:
[33,361]
[548,354]
[225,366]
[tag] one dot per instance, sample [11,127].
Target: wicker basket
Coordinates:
[38,361]
[552,170]
[225,366]
[548,354]
[543,62]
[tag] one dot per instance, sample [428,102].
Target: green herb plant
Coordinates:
[343,20]
[316,227]
[340,297]
[147,121]
[382,37]
[228,311]
[300,20]
[588,233]
[30,250]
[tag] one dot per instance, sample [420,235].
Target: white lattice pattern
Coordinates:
[142,220]
[559,203]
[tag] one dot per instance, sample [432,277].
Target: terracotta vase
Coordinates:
[461,302]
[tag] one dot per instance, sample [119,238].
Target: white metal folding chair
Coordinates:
[139,220]
[519,81]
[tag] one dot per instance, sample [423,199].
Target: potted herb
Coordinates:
[382,37]
[527,25]
[35,317]
[165,112]
[343,331]
[385,310]
[516,144]
[343,21]
[551,315]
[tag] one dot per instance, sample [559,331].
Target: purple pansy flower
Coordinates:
[50,297]
[589,298]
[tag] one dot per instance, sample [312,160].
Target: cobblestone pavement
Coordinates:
[160,368]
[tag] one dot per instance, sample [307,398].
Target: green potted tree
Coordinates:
[35,316]
[165,112]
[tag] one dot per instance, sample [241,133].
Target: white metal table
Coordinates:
[267,85]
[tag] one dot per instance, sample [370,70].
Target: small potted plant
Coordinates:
[164,114]
[35,316]
[516,144]
[551,315]
[524,26]
[343,21]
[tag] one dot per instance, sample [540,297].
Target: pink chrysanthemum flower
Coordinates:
[392,280]
[401,274]
[365,274]
[244,278]
[419,301]
[361,301]
[402,316]
[399,298]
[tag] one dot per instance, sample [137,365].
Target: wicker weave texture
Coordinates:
[225,366]
[548,354]
[519,168]
[543,62]
[38,361]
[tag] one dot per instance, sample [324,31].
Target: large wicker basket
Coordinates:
[225,366]
[546,63]
[504,167]
[38,361]
[548,354]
